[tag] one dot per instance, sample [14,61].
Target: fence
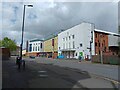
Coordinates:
[107,59]
[4,53]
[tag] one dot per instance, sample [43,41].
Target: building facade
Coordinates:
[101,42]
[84,40]
[35,47]
[75,42]
[51,47]
[106,42]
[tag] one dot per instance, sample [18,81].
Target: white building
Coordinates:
[35,45]
[75,42]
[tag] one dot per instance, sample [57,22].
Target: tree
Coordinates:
[8,43]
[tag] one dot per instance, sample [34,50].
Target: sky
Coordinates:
[50,17]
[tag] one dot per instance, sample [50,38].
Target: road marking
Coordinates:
[42,71]
[43,76]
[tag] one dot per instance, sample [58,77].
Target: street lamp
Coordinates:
[21,45]
[101,52]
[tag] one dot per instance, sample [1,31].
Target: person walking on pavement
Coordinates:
[80,58]
[18,62]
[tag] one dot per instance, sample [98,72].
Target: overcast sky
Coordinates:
[50,17]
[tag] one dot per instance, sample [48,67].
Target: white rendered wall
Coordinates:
[82,33]
[38,45]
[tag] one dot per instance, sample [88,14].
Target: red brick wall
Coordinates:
[101,43]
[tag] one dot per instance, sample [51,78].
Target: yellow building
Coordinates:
[49,48]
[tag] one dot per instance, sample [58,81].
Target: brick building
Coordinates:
[101,42]
[107,42]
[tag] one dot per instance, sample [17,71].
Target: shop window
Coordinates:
[73,54]
[76,54]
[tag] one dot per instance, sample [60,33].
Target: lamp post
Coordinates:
[101,53]
[21,45]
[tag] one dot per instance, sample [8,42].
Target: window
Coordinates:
[69,37]
[59,48]
[99,44]
[73,36]
[38,48]
[33,48]
[41,45]
[30,48]
[96,35]
[95,43]
[80,44]
[63,39]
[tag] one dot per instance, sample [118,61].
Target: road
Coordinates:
[48,75]
[108,71]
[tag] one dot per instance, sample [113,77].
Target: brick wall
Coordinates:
[101,42]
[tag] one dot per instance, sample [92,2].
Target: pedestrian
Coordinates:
[19,63]
[80,58]
[23,63]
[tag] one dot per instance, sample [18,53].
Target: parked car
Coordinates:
[33,57]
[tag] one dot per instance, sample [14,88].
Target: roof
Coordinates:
[33,40]
[106,32]
[50,37]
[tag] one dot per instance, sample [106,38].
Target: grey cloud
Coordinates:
[41,21]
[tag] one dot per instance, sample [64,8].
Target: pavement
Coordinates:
[43,73]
